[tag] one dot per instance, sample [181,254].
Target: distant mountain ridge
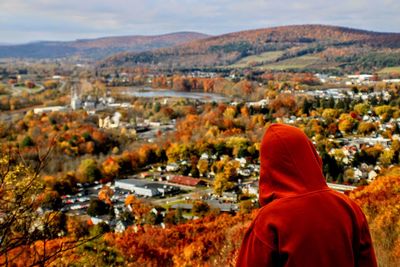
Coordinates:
[96,48]
[285,47]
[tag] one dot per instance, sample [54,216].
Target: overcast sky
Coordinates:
[32,20]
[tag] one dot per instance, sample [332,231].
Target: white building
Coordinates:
[145,188]
[49,109]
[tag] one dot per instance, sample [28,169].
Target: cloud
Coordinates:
[25,20]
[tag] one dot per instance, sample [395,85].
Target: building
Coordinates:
[49,109]
[76,102]
[223,207]
[172,167]
[185,180]
[147,189]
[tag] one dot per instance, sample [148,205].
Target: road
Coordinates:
[182,196]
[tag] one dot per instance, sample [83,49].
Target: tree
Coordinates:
[98,208]
[385,109]
[331,168]
[283,105]
[238,145]
[386,157]
[380,203]
[77,228]
[19,188]
[110,167]
[105,194]
[346,123]
[139,208]
[200,208]
[202,166]
[222,183]
[246,206]
[330,113]
[27,142]
[25,229]
[50,84]
[361,108]
[174,217]
[88,171]
[306,107]
[366,128]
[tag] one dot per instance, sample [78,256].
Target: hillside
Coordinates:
[215,239]
[96,48]
[287,47]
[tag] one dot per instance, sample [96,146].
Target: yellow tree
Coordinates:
[24,226]
[110,167]
[346,123]
[139,209]
[105,194]
[202,166]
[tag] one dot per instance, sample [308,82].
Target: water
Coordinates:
[152,93]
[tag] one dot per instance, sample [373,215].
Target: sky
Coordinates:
[23,21]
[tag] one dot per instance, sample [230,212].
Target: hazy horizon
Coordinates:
[45,20]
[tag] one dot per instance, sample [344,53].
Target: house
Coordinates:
[109,123]
[251,188]
[263,103]
[120,226]
[244,172]
[222,206]
[372,175]
[358,174]
[242,161]
[104,218]
[359,79]
[204,156]
[172,167]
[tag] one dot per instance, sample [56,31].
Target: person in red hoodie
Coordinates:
[301,221]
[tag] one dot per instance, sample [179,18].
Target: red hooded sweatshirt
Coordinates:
[302,222]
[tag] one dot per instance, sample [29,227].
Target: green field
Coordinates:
[293,63]
[389,70]
[263,57]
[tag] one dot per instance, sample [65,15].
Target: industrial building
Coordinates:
[145,188]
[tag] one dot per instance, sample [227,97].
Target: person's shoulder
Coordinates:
[345,198]
[271,210]
[351,203]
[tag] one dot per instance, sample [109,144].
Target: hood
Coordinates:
[290,165]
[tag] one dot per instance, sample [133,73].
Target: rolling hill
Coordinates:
[96,48]
[314,47]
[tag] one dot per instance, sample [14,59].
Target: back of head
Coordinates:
[290,165]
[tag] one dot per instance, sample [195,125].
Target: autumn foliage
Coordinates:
[380,202]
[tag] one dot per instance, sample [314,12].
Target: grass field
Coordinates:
[293,63]
[389,70]
[267,56]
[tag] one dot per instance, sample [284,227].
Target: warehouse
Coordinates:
[145,188]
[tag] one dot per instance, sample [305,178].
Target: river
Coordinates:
[154,93]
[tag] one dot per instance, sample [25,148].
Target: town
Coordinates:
[127,111]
